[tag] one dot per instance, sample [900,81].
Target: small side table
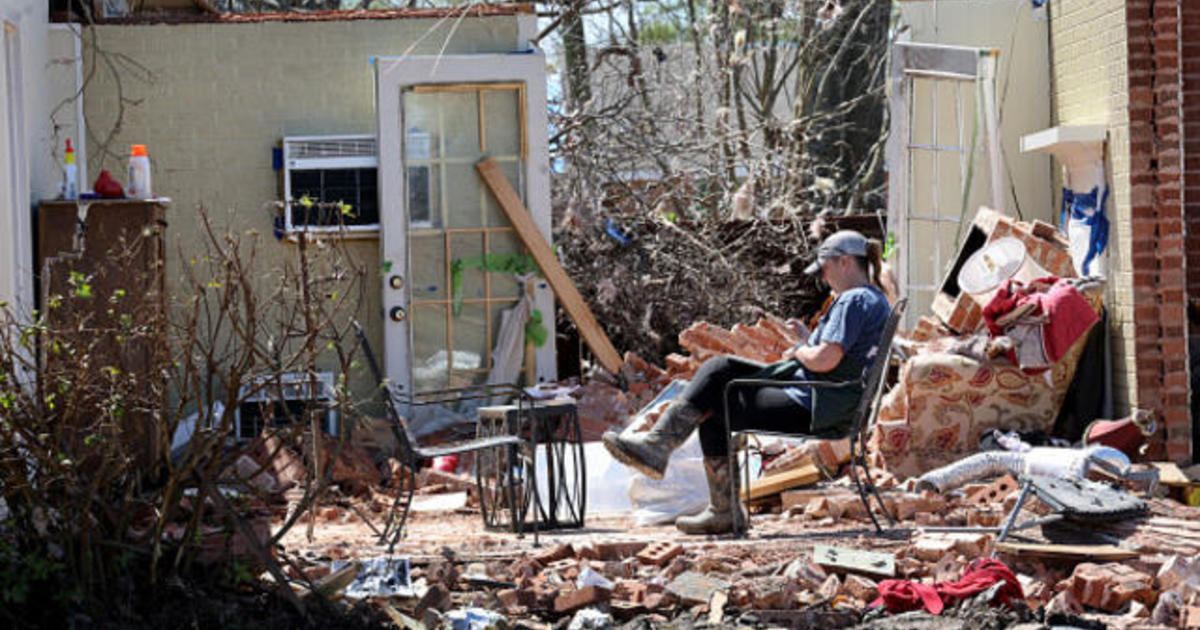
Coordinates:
[553,424]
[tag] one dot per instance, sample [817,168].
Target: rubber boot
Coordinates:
[648,451]
[717,518]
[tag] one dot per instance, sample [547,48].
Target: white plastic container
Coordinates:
[139,186]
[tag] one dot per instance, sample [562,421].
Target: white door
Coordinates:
[943,160]
[441,229]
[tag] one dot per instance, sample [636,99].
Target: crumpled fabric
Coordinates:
[897,596]
[1057,315]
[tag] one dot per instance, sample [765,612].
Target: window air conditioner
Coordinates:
[268,401]
[331,169]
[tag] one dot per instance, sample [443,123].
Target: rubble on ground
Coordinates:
[614,574]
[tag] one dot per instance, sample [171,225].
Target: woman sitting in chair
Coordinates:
[838,350]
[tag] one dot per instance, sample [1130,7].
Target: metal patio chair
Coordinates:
[513,479]
[871,382]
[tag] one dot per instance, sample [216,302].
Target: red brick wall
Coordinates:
[1156,167]
[1190,95]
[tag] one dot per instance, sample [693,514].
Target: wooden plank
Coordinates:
[563,288]
[774,484]
[1170,474]
[855,560]
[1100,553]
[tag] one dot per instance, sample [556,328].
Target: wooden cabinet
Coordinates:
[101,287]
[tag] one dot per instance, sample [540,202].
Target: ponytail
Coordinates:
[872,263]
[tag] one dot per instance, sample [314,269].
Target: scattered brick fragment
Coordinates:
[570,601]
[659,553]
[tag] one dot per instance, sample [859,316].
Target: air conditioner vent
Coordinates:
[344,147]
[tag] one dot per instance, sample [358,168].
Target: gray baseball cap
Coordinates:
[842,243]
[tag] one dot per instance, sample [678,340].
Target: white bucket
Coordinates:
[995,263]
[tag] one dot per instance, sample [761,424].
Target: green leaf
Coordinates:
[534,330]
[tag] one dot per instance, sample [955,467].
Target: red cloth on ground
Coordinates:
[981,574]
[1068,313]
[899,596]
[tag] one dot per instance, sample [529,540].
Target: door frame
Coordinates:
[392,76]
[910,60]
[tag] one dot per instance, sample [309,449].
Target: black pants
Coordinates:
[762,409]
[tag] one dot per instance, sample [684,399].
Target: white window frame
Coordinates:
[365,230]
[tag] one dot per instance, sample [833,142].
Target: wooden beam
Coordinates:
[778,482]
[1098,553]
[563,288]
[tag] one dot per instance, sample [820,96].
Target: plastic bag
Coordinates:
[683,490]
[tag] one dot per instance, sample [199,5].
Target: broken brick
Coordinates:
[932,548]
[993,493]
[571,601]
[860,588]
[554,554]
[831,587]
[1110,586]
[437,597]
[659,553]
[620,550]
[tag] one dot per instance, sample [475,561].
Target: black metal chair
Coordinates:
[511,484]
[871,383]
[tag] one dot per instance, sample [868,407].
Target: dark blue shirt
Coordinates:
[854,320]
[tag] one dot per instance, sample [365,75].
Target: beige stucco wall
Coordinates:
[1089,83]
[1022,82]
[220,96]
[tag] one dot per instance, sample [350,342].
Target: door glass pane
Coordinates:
[947,113]
[428,255]
[502,122]
[430,367]
[921,263]
[921,302]
[470,338]
[467,251]
[923,183]
[504,285]
[921,116]
[423,186]
[421,125]
[950,183]
[464,196]
[948,247]
[460,124]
